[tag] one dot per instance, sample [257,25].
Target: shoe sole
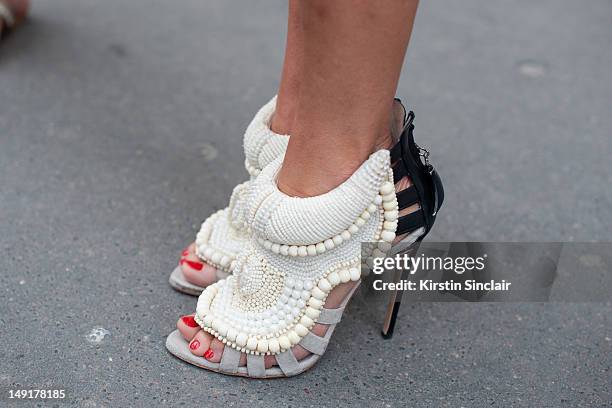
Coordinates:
[179,347]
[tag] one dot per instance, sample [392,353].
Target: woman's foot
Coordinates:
[18,10]
[195,270]
[202,344]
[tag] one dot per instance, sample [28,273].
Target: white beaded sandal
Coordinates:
[300,249]
[223,235]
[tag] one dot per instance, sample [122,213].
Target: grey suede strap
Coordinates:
[288,363]
[330,316]
[229,360]
[256,366]
[314,343]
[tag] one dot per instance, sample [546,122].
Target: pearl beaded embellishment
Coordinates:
[261,144]
[223,234]
[277,290]
[217,243]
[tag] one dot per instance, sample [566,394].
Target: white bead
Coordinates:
[316,303]
[208,253]
[267,244]
[312,312]
[324,285]
[353,229]
[302,251]
[203,309]
[308,285]
[222,329]
[305,294]
[312,250]
[284,250]
[384,246]
[391,215]
[225,261]
[293,337]
[346,235]
[333,278]
[345,276]
[216,257]
[387,236]
[387,187]
[360,222]
[293,250]
[389,205]
[275,248]
[365,215]
[251,343]
[300,329]
[320,248]
[284,343]
[378,199]
[241,339]
[372,208]
[355,274]
[306,321]
[231,334]
[377,253]
[290,282]
[318,293]
[208,319]
[389,197]
[262,346]
[274,346]
[390,225]
[329,244]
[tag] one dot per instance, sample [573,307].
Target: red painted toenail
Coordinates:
[209,354]
[192,264]
[194,344]
[189,321]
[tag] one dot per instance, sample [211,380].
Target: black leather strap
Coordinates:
[399,171]
[410,222]
[396,153]
[407,197]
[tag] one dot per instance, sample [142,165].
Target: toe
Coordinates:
[204,277]
[187,326]
[200,343]
[269,361]
[195,270]
[215,351]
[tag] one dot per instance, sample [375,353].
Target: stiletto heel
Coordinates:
[410,160]
[395,299]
